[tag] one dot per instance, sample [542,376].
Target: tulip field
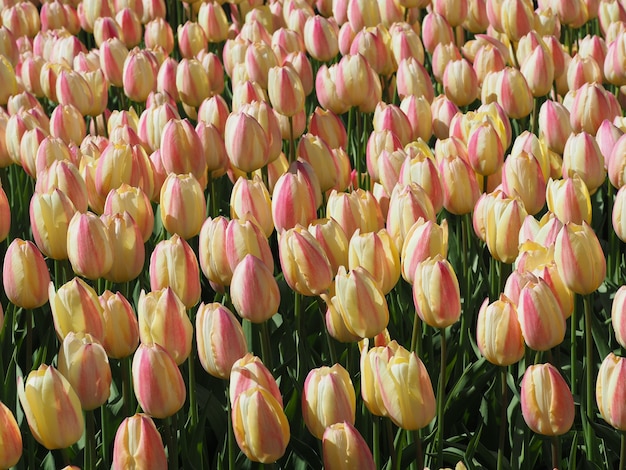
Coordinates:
[306,234]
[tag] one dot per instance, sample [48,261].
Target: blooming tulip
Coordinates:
[246,142]
[569,200]
[54,427]
[84,363]
[377,254]
[25,275]
[327,398]
[436,292]
[254,291]
[182,205]
[174,264]
[89,247]
[344,448]
[139,74]
[133,200]
[138,444]
[547,402]
[582,155]
[294,199]
[157,381]
[503,221]
[220,339]
[579,258]
[610,391]
[163,320]
[121,329]
[498,332]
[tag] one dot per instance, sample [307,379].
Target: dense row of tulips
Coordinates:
[389,232]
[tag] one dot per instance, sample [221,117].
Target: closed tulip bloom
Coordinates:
[435,30]
[589,106]
[163,320]
[89,247]
[503,222]
[329,127]
[121,329]
[582,155]
[72,88]
[554,125]
[182,206]
[25,275]
[413,79]
[158,33]
[376,252]
[538,70]
[5,216]
[246,142]
[460,186]
[250,198]
[498,332]
[127,247]
[320,38]
[327,398]
[139,74]
[610,392]
[174,264]
[54,427]
[304,263]
[395,383]
[421,168]
[84,363]
[75,307]
[360,302]
[317,153]
[138,444]
[484,149]
[332,240]
[250,372]
[436,292]
[213,21]
[407,205]
[547,402]
[260,425]
[285,90]
[294,200]
[579,258]
[254,291]
[540,316]
[181,149]
[191,39]
[522,176]
[212,252]
[344,448]
[569,200]
[133,200]
[326,90]
[11,448]
[220,339]
[425,239]
[158,384]
[355,210]
[242,237]
[454,11]
[607,137]
[619,214]
[460,82]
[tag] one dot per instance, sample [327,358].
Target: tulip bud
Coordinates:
[294,198]
[589,105]
[158,33]
[436,292]
[121,329]
[174,264]
[460,82]
[579,258]
[157,381]
[424,240]
[344,447]
[25,275]
[260,425]
[139,74]
[327,398]
[522,176]
[75,307]
[138,444]
[582,155]
[250,198]
[182,205]
[11,449]
[609,389]
[220,339]
[376,253]
[540,316]
[84,363]
[503,221]
[360,302]
[254,290]
[136,203]
[460,186]
[89,247]
[305,266]
[54,427]
[246,142]
[498,332]
[547,402]
[569,200]
[395,383]
[355,210]
[163,320]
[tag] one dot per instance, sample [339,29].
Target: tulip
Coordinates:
[484,148]
[182,205]
[84,363]
[158,33]
[498,332]
[251,199]
[138,444]
[540,316]
[317,153]
[460,82]
[139,74]
[547,402]
[579,258]
[436,292]
[242,237]
[582,155]
[5,216]
[326,90]
[395,383]
[569,200]
[181,149]
[213,21]
[174,264]
[503,222]
[435,30]
[157,381]
[163,320]
[376,252]
[304,263]
[220,339]
[127,247]
[610,391]
[192,82]
[246,142]
[589,106]
[260,425]
[332,240]
[345,448]
[89,247]
[320,38]
[355,210]
[11,448]
[75,307]
[329,127]
[522,175]
[136,203]
[454,11]
[327,398]
[212,252]
[360,302]
[294,200]
[121,329]
[54,427]
[407,205]
[424,240]
[413,79]
[254,290]
[25,275]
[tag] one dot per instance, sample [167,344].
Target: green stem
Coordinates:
[104,435]
[127,386]
[292,143]
[266,350]
[613,258]
[589,376]
[193,406]
[417,333]
[376,440]
[329,341]
[556,455]
[503,420]
[172,444]
[231,435]
[419,453]
[573,349]
[441,397]
[90,441]
[622,451]
[390,443]
[28,316]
